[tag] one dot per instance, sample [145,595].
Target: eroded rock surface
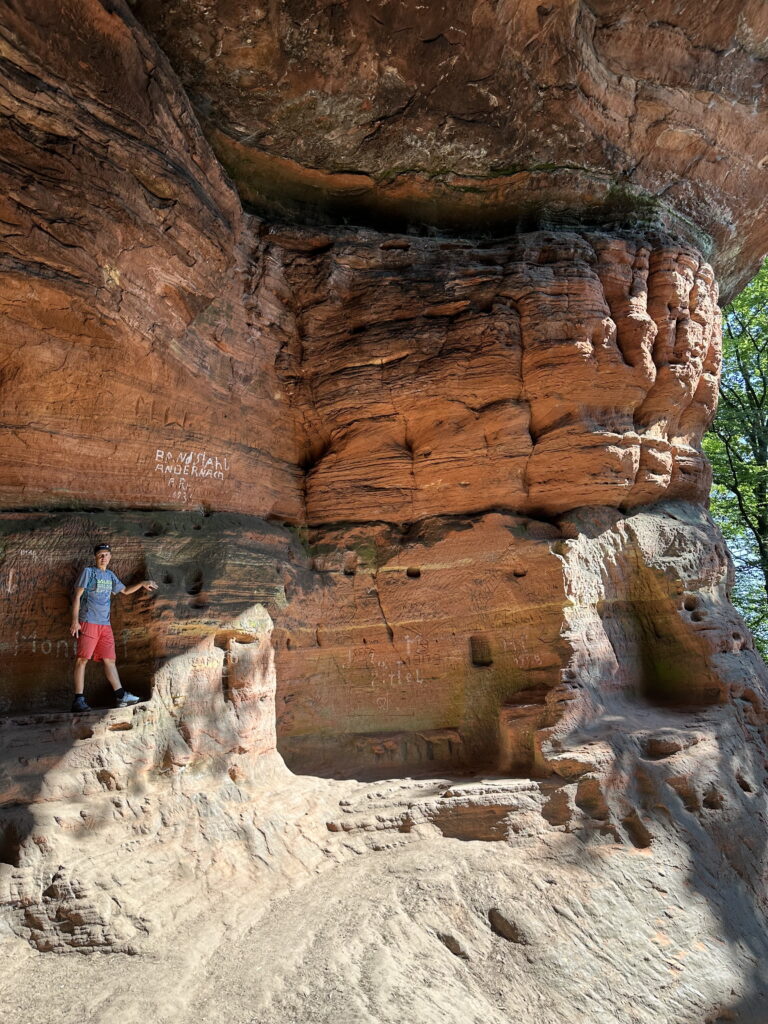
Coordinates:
[552,372]
[128,350]
[487,114]
[427,515]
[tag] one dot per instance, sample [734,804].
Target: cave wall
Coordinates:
[491,117]
[553,371]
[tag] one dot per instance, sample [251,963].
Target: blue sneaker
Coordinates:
[80,704]
[126,700]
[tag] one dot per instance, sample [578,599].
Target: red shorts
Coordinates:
[96,642]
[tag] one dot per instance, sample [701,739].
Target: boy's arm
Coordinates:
[75,627]
[146,584]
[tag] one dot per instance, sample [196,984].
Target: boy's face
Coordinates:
[102,559]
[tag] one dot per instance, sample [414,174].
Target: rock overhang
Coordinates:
[437,634]
[487,119]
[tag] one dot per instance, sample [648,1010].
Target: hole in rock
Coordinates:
[501,925]
[453,945]
[713,799]
[744,784]
[195,583]
[590,799]
[685,789]
[108,780]
[10,844]
[638,834]
[690,602]
[557,809]
[412,572]
[480,651]
[167,578]
[663,744]
[519,573]
[698,616]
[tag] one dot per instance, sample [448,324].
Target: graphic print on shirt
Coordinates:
[98,585]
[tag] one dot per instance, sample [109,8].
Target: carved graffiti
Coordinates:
[182,470]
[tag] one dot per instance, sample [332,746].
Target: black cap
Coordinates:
[101,547]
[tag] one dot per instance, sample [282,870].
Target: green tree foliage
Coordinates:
[737,447]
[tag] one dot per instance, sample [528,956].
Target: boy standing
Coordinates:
[90,624]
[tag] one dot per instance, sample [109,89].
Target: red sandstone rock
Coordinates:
[546,373]
[134,371]
[398,650]
[478,114]
[401,365]
[460,435]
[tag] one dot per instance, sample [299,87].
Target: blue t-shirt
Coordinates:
[99,586]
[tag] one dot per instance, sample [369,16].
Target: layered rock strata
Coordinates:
[128,351]
[418,506]
[539,375]
[483,115]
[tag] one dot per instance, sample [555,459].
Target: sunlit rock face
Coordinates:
[487,115]
[135,373]
[425,501]
[552,371]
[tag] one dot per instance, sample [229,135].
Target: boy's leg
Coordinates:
[86,644]
[123,699]
[105,652]
[84,651]
[110,671]
[80,664]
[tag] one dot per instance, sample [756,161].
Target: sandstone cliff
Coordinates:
[446,713]
[486,115]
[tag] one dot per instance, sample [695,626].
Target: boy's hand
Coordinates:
[149,585]
[75,629]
